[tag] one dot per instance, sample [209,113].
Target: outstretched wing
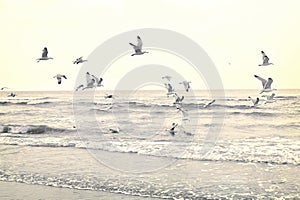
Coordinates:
[97,80]
[80,86]
[256,102]
[139,42]
[263,81]
[269,83]
[45,53]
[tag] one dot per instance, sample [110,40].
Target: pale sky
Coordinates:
[230,31]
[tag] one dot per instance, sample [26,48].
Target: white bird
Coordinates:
[58,77]
[44,55]
[167,77]
[186,85]
[12,94]
[270,99]
[138,48]
[169,88]
[98,81]
[178,99]
[79,60]
[4,88]
[90,82]
[266,84]
[254,101]
[209,103]
[265,60]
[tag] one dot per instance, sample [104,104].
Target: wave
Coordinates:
[24,103]
[29,129]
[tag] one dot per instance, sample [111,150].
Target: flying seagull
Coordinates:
[138,48]
[12,94]
[167,77]
[178,99]
[265,60]
[266,84]
[270,99]
[58,77]
[4,88]
[169,88]
[186,85]
[44,55]
[254,101]
[79,60]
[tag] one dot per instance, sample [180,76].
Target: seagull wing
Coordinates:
[80,86]
[263,81]
[88,79]
[269,83]
[256,102]
[139,42]
[97,80]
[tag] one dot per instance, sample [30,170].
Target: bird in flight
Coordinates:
[266,84]
[138,48]
[59,78]
[79,60]
[186,85]
[44,55]
[265,60]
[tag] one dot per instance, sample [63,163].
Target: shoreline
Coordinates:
[15,190]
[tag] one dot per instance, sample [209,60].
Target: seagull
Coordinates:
[79,60]
[254,101]
[138,48]
[117,130]
[108,96]
[12,94]
[266,84]
[209,103]
[265,60]
[59,76]
[90,82]
[178,99]
[169,88]
[4,88]
[167,77]
[44,55]
[270,99]
[98,81]
[186,85]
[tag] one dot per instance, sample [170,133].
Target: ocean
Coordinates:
[123,145]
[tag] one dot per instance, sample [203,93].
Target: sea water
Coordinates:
[227,150]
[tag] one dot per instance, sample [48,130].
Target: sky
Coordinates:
[229,31]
